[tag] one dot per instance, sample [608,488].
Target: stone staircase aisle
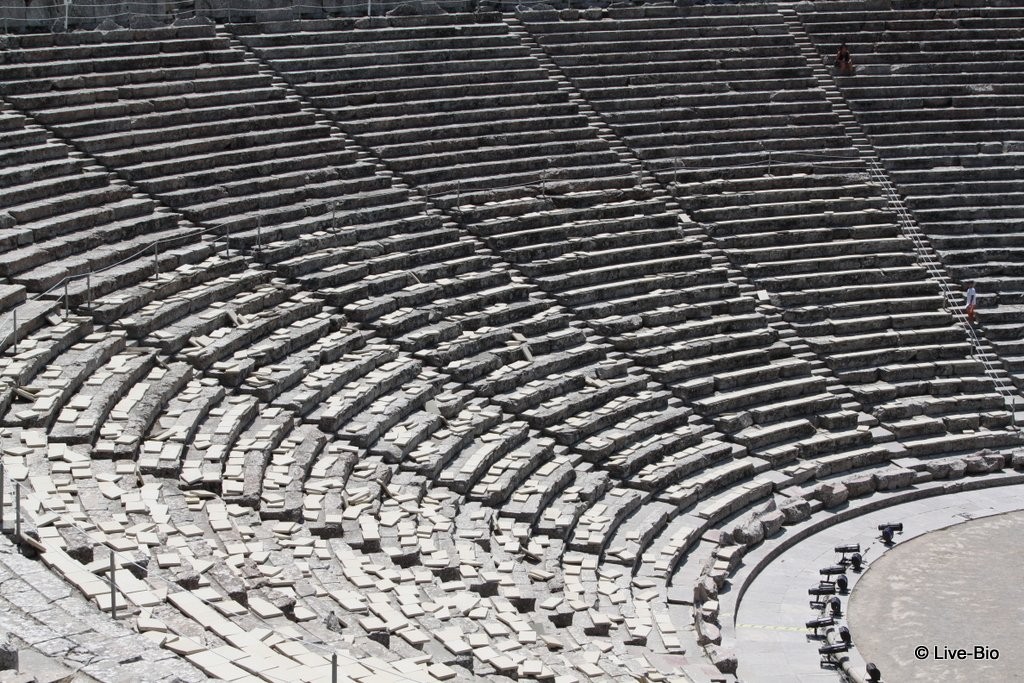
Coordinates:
[983,351]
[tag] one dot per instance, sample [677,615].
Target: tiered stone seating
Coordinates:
[490,431]
[718,61]
[62,218]
[939,96]
[181,115]
[813,232]
[433,102]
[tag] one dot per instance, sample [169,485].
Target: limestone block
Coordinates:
[748,532]
[708,634]
[772,522]
[832,494]
[723,659]
[984,463]
[892,478]
[860,484]
[794,510]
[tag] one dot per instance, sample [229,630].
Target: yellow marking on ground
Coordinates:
[771,627]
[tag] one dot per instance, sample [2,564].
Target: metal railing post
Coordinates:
[17,509]
[113,588]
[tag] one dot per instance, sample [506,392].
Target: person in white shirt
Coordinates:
[971,302]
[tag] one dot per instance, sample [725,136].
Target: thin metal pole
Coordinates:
[227,241]
[259,234]
[1,490]
[17,509]
[156,260]
[15,313]
[334,667]
[88,290]
[67,302]
[113,588]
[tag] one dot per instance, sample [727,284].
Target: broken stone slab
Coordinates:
[984,463]
[832,494]
[794,510]
[893,478]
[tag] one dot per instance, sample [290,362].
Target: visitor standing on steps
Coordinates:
[970,302]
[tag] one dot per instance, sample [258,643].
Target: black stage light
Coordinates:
[844,635]
[855,561]
[834,569]
[820,622]
[842,584]
[895,526]
[836,606]
[874,675]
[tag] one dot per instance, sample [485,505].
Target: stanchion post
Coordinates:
[156,260]
[334,667]
[67,302]
[17,509]
[113,588]
[14,313]
[88,290]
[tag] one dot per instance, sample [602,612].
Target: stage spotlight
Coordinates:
[836,606]
[820,622]
[844,549]
[855,561]
[895,526]
[842,584]
[834,569]
[887,535]
[844,635]
[874,675]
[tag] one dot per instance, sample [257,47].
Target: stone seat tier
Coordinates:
[615,98]
[37,350]
[667,43]
[267,34]
[421,123]
[618,59]
[630,31]
[462,145]
[676,107]
[53,386]
[81,419]
[531,87]
[915,114]
[115,93]
[65,64]
[51,239]
[452,136]
[181,244]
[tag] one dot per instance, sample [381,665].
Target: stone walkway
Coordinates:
[770,619]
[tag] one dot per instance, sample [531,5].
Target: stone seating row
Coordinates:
[472,144]
[230,131]
[64,218]
[934,176]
